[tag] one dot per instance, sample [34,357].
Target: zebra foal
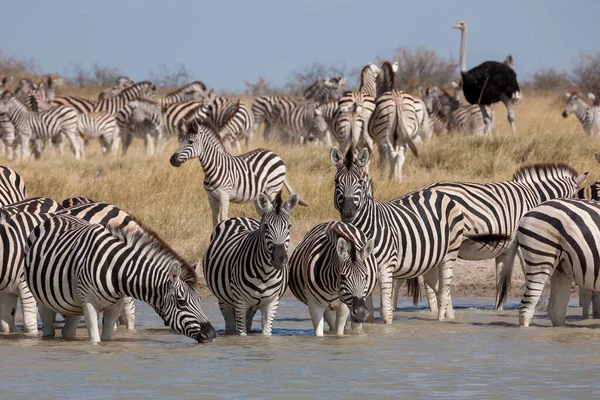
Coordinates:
[245,265]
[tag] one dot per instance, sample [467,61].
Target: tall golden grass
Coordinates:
[173,202]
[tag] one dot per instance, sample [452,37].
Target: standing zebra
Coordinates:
[135,91]
[585,110]
[122,82]
[43,125]
[141,118]
[295,118]
[354,111]
[417,234]
[324,120]
[227,178]
[332,270]
[245,265]
[326,89]
[101,126]
[104,265]
[192,91]
[559,240]
[493,210]
[12,186]
[394,125]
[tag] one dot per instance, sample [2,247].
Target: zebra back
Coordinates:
[135,91]
[192,91]
[34,205]
[103,214]
[12,187]
[75,201]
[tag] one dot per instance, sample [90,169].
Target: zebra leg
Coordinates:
[224,207]
[127,316]
[268,315]
[596,305]
[25,146]
[29,308]
[504,265]
[384,151]
[9,309]
[214,208]
[249,318]
[75,143]
[329,314]
[511,115]
[90,313]
[385,293]
[317,312]
[536,277]
[228,313]
[585,300]
[110,317]
[396,292]
[397,163]
[114,145]
[127,138]
[445,310]
[487,120]
[48,316]
[341,316]
[69,330]
[241,312]
[149,142]
[371,309]
[560,291]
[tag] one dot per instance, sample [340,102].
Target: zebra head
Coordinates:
[181,306]
[275,226]
[576,104]
[193,135]
[357,273]
[5,101]
[351,182]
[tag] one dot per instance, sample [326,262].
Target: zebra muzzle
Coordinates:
[175,161]
[359,311]
[348,211]
[207,333]
[280,258]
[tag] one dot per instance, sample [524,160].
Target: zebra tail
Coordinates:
[407,137]
[504,282]
[291,191]
[413,290]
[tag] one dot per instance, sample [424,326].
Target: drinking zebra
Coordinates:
[245,266]
[417,234]
[559,240]
[227,178]
[493,210]
[104,265]
[585,111]
[40,125]
[333,272]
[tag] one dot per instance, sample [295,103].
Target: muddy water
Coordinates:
[483,354]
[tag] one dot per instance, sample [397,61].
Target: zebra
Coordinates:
[332,270]
[464,118]
[558,239]
[263,111]
[192,91]
[17,220]
[5,82]
[101,126]
[141,118]
[103,265]
[295,118]
[75,201]
[323,90]
[7,135]
[12,186]
[323,121]
[245,265]
[227,178]
[43,125]
[351,118]
[587,113]
[122,82]
[493,210]
[394,125]
[113,105]
[417,234]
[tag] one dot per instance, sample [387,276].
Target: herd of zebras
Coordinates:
[83,257]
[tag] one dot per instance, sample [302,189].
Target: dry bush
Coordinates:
[421,67]
[586,72]
[164,77]
[547,79]
[96,76]
[298,81]
[10,65]
[260,88]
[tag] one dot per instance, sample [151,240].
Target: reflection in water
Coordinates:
[481,353]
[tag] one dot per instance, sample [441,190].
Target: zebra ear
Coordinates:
[336,156]
[395,66]
[291,203]
[579,179]
[368,249]
[264,202]
[567,95]
[597,155]
[362,159]
[343,249]
[422,91]
[342,81]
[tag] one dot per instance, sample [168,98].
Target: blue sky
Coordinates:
[224,43]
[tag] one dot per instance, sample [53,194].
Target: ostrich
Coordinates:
[488,83]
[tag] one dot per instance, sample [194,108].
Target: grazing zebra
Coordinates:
[135,91]
[463,118]
[417,234]
[333,272]
[192,91]
[43,125]
[101,126]
[295,118]
[263,111]
[103,266]
[326,89]
[122,82]
[12,187]
[585,110]
[351,118]
[141,118]
[227,178]
[394,125]
[245,265]
[493,210]
[559,240]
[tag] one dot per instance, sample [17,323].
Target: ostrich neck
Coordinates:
[463,50]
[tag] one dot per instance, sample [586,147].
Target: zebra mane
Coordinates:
[541,172]
[230,116]
[278,202]
[196,124]
[388,79]
[135,87]
[581,96]
[336,228]
[349,158]
[154,246]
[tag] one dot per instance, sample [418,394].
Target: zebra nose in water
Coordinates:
[359,311]
[175,161]
[280,257]
[207,333]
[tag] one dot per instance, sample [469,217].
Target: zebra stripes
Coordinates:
[104,265]
[493,210]
[417,234]
[227,178]
[324,120]
[12,186]
[332,271]
[245,266]
[101,126]
[192,91]
[43,125]
[122,82]
[326,89]
[584,109]
[135,91]
[141,118]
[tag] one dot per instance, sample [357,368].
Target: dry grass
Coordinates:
[173,202]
